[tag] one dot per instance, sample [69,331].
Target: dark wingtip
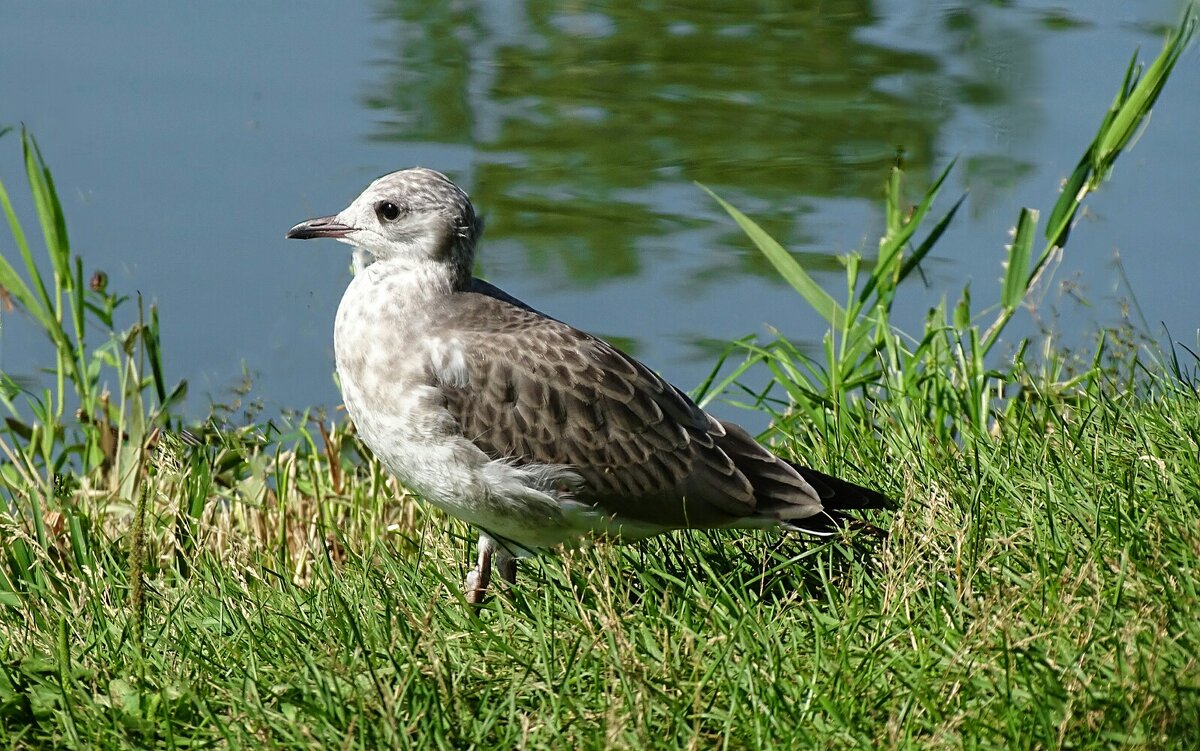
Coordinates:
[841,495]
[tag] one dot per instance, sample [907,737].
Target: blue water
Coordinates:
[186,138]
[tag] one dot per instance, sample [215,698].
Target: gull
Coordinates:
[532,431]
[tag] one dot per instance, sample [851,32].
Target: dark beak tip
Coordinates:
[326,226]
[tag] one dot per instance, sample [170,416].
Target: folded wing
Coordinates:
[537,391]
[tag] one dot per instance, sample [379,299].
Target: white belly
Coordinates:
[389,377]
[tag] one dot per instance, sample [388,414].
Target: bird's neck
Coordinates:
[420,278]
[442,261]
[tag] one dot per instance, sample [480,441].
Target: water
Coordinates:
[185,139]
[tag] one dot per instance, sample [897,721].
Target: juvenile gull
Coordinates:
[533,431]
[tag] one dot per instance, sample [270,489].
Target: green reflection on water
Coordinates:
[588,125]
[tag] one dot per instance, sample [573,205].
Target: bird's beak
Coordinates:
[323,226]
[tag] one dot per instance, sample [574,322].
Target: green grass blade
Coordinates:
[710,388]
[913,261]
[888,269]
[788,267]
[38,306]
[894,218]
[49,210]
[11,281]
[149,336]
[1138,102]
[1016,273]
[1128,112]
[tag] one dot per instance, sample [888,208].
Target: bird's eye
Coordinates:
[387,211]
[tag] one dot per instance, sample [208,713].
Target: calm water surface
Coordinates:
[186,138]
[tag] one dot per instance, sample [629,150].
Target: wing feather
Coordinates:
[540,392]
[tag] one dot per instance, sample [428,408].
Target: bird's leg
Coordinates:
[492,554]
[506,565]
[481,576]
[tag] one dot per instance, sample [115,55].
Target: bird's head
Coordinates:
[415,215]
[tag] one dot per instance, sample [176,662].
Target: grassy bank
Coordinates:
[165,585]
[1037,589]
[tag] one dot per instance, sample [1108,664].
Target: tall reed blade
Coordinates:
[792,272]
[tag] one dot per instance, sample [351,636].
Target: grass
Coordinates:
[164,586]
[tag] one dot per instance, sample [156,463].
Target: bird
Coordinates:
[532,431]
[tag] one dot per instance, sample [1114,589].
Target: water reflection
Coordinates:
[579,128]
[585,122]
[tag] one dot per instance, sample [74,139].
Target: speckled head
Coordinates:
[415,214]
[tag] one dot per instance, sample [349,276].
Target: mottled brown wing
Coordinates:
[541,392]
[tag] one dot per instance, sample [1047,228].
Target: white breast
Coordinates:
[391,363]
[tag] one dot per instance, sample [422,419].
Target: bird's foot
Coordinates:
[491,554]
[477,581]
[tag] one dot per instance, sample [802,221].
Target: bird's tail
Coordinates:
[838,497]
